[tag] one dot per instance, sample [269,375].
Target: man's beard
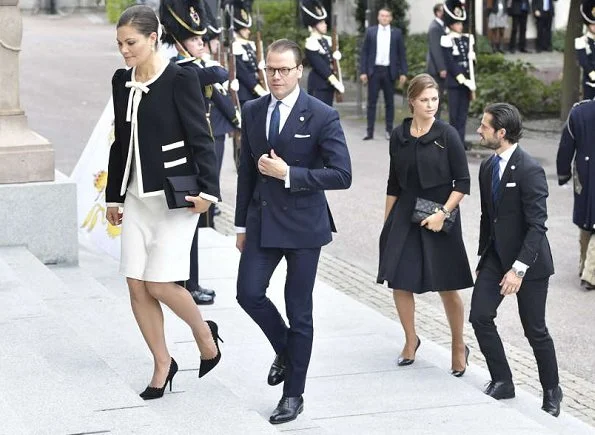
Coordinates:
[490,144]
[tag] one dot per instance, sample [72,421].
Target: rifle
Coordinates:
[471,63]
[336,64]
[260,54]
[231,68]
[220,56]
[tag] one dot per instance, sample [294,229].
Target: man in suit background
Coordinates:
[543,10]
[515,256]
[382,60]
[519,11]
[281,212]
[436,65]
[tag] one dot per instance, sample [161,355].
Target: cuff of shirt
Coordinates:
[287,185]
[114,204]
[521,267]
[208,197]
[240,230]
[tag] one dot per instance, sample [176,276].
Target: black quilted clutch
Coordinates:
[424,208]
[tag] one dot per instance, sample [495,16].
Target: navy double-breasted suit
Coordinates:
[289,222]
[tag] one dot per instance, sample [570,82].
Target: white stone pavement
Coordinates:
[73,361]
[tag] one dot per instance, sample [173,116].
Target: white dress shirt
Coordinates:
[383,46]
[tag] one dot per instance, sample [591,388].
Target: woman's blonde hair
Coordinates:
[417,85]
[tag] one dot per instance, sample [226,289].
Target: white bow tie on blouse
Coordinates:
[136,93]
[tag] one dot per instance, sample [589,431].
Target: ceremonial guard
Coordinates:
[185,25]
[585,49]
[322,80]
[576,155]
[459,56]
[244,50]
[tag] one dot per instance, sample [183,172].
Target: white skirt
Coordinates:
[156,241]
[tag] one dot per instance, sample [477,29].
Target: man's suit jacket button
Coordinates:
[495,220]
[264,180]
[296,161]
[264,203]
[284,207]
[587,158]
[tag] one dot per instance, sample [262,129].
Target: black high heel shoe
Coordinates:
[408,361]
[155,392]
[459,373]
[206,365]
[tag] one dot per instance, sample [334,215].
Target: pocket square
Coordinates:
[301,136]
[510,184]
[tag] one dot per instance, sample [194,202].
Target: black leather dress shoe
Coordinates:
[287,410]
[551,401]
[277,371]
[207,291]
[368,137]
[201,298]
[500,390]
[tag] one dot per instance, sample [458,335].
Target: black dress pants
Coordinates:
[544,32]
[377,81]
[519,27]
[531,300]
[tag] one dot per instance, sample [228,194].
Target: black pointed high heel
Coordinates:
[459,373]
[408,361]
[155,392]
[206,365]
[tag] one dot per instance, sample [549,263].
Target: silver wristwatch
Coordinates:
[445,211]
[518,273]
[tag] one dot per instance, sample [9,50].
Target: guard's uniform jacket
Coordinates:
[246,69]
[319,55]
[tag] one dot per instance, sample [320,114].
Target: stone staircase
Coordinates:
[73,361]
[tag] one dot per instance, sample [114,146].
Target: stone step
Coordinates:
[103,320]
[49,371]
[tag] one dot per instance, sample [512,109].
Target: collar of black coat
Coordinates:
[404,137]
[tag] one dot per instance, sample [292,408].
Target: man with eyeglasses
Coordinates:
[293,149]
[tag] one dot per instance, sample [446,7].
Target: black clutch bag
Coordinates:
[177,188]
[424,208]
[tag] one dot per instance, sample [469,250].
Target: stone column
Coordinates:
[25,156]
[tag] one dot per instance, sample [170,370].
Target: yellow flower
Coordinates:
[113,231]
[100,180]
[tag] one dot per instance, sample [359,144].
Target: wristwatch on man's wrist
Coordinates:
[518,273]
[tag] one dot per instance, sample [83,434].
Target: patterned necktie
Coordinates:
[495,177]
[274,125]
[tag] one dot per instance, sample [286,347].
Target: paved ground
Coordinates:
[64,86]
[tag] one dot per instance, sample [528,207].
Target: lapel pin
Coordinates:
[513,167]
[301,118]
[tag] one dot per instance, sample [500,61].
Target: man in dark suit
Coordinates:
[519,11]
[436,65]
[514,252]
[543,11]
[281,212]
[382,61]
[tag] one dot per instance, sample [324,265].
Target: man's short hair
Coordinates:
[283,45]
[438,7]
[385,9]
[508,117]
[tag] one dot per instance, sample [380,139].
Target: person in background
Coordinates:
[383,60]
[514,254]
[585,49]
[543,11]
[576,149]
[497,22]
[459,55]
[428,161]
[161,130]
[322,82]
[519,11]
[435,63]
[245,52]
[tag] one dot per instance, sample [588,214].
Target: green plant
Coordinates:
[281,20]
[349,47]
[558,40]
[114,8]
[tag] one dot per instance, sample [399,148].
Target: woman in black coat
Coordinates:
[161,130]
[427,160]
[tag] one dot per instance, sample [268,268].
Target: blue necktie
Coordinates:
[274,125]
[495,177]
[546,5]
